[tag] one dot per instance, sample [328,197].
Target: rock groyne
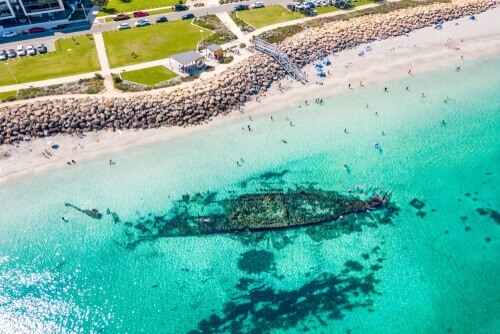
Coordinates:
[221,94]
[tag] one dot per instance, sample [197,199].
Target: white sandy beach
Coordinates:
[420,51]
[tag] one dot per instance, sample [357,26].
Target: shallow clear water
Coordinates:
[433,270]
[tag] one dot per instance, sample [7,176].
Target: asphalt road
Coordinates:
[49,38]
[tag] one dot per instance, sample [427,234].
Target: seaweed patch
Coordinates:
[258,308]
[256,262]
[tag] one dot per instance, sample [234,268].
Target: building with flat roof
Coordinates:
[22,12]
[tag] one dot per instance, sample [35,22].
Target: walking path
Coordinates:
[103,60]
[228,22]
[224,17]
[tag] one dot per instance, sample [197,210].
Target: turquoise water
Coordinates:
[433,270]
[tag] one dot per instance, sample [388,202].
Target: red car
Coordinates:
[35,30]
[140,14]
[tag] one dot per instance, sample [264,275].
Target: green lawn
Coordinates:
[71,57]
[127,6]
[152,42]
[149,76]
[262,17]
[5,95]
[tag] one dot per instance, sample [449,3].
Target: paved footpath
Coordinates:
[228,22]
[103,60]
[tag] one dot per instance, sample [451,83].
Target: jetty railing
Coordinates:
[281,57]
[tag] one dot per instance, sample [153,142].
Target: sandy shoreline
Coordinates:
[420,51]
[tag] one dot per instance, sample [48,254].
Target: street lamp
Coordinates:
[8,67]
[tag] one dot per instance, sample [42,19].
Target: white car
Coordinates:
[317,3]
[299,5]
[30,50]
[258,5]
[142,23]
[9,34]
[20,51]
[123,26]
[325,3]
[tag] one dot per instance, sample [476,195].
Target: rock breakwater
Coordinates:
[208,98]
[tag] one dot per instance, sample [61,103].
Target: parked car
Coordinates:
[258,4]
[180,8]
[142,23]
[20,51]
[11,53]
[299,5]
[317,3]
[121,17]
[310,12]
[240,7]
[187,16]
[30,50]
[41,49]
[3,55]
[161,19]
[8,34]
[325,3]
[309,5]
[36,30]
[291,7]
[124,26]
[140,14]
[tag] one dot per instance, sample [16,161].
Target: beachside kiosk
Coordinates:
[190,62]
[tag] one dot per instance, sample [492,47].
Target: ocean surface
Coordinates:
[426,263]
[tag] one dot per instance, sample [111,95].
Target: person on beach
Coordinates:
[64,219]
[111,162]
[272,119]
[345,130]
[361,83]
[349,86]
[423,95]
[73,161]
[409,72]
[407,88]
[385,89]
[249,128]
[306,103]
[367,106]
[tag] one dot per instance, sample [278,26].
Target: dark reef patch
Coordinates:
[256,262]
[421,214]
[495,215]
[261,309]
[417,204]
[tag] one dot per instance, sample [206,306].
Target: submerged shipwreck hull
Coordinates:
[254,212]
[205,214]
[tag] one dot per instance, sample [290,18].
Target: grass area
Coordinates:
[127,6]
[72,56]
[149,76]
[6,95]
[151,12]
[263,17]
[221,34]
[152,42]
[279,34]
